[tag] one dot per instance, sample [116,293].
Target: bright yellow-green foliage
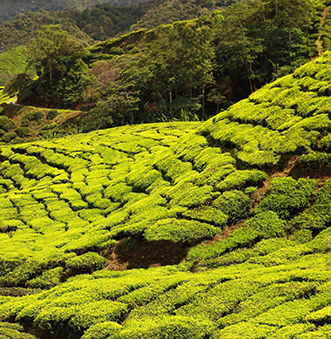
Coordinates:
[288,115]
[12,62]
[235,193]
[4,98]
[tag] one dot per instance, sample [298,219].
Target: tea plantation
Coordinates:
[183,230]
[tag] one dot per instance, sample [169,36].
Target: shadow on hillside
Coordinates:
[139,253]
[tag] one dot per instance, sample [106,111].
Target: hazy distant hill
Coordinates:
[9,9]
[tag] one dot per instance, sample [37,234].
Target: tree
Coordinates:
[290,14]
[177,65]
[56,56]
[113,100]
[239,43]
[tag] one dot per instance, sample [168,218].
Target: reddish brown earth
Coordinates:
[139,253]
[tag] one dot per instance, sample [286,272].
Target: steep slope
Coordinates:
[12,62]
[228,223]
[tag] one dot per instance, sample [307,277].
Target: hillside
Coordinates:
[175,230]
[12,62]
[9,9]
[104,20]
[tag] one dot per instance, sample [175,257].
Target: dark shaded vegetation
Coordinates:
[183,71]
[103,21]
[10,9]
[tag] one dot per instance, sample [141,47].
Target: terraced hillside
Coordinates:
[177,230]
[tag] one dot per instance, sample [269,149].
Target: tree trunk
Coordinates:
[203,102]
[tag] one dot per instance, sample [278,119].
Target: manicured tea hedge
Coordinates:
[242,202]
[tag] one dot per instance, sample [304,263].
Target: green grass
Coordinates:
[230,218]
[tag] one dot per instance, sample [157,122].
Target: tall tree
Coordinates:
[56,56]
[239,43]
[178,64]
[46,52]
[290,14]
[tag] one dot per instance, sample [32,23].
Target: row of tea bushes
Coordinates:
[239,301]
[289,115]
[19,124]
[82,193]
[291,208]
[75,194]
[255,237]
[13,331]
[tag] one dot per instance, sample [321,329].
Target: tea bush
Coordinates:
[7,137]
[86,263]
[317,216]
[286,196]
[51,114]
[235,204]
[258,255]
[14,331]
[6,123]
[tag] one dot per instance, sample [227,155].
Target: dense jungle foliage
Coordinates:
[105,21]
[187,70]
[175,230]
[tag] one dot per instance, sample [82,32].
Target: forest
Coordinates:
[10,9]
[186,70]
[171,182]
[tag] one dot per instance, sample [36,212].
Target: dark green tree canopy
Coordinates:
[46,52]
[57,58]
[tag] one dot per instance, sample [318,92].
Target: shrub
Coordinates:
[167,327]
[25,123]
[23,131]
[9,136]
[33,116]
[86,263]
[266,224]
[52,114]
[26,271]
[47,280]
[142,177]
[6,123]
[287,196]
[302,236]
[77,317]
[38,115]
[207,214]
[245,330]
[314,162]
[318,215]
[177,230]
[286,314]
[13,331]
[326,142]
[28,116]
[242,179]
[189,195]
[102,330]
[235,204]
